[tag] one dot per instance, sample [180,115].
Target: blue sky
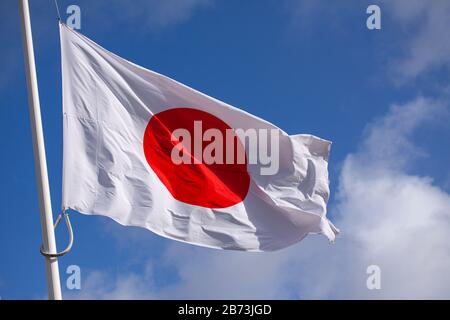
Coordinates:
[312,67]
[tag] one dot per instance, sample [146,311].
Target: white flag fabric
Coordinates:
[126,158]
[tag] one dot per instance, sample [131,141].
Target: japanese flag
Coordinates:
[148,151]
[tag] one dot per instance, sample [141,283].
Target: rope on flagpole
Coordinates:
[69,246]
[57,10]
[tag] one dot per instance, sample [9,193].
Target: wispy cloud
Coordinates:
[388,141]
[98,285]
[417,29]
[389,218]
[426,25]
[151,15]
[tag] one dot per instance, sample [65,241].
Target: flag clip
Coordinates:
[69,246]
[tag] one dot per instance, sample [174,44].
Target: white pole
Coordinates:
[48,234]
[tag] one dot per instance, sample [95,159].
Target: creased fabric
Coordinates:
[107,104]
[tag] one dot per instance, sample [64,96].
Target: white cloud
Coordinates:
[390,218]
[420,44]
[99,285]
[426,25]
[388,142]
[208,274]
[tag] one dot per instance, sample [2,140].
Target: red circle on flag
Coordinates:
[215,185]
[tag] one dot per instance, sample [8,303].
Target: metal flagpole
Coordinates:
[48,234]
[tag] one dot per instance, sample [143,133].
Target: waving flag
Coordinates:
[148,151]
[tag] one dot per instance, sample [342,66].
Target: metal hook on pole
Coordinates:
[69,245]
